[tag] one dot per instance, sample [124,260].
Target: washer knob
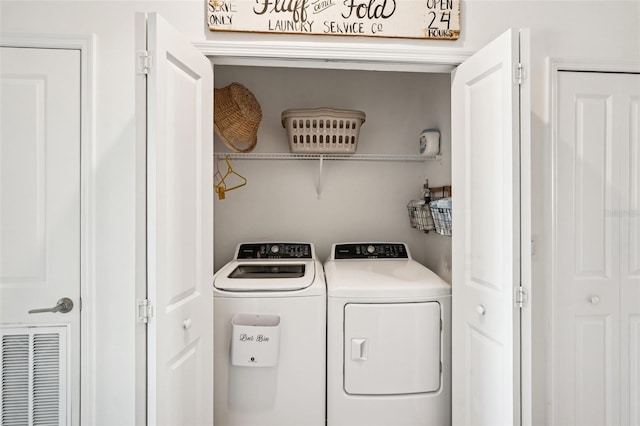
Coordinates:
[275,249]
[371,249]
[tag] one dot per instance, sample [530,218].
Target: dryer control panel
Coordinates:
[371,251]
[275,251]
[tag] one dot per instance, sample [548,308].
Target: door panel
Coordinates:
[630,265]
[634,371]
[23,188]
[486,234]
[597,296]
[40,226]
[593,233]
[179,229]
[594,370]
[484,353]
[589,240]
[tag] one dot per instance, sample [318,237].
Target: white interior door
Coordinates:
[40,233]
[486,177]
[179,228]
[596,316]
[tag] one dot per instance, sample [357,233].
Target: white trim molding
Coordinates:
[334,55]
[591,65]
[86,45]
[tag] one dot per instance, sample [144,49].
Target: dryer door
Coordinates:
[391,348]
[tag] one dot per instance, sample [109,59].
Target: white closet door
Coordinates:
[630,257]
[596,309]
[179,229]
[40,232]
[486,146]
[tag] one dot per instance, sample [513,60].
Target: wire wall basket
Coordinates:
[434,214]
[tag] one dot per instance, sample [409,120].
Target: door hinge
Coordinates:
[145,310]
[520,74]
[521,297]
[144,61]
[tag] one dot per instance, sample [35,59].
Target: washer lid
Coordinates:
[280,275]
[385,278]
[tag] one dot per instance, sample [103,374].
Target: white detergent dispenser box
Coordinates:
[255,340]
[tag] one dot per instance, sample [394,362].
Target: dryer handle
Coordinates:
[359,349]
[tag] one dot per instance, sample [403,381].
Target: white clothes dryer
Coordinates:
[270,337]
[388,338]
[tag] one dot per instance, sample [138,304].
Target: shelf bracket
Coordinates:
[319,182]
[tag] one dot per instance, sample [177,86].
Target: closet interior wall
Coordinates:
[359,200]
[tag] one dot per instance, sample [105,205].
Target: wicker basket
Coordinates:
[237,115]
[323,130]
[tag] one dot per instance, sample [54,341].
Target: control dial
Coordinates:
[371,249]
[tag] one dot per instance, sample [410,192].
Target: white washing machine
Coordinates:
[270,337]
[388,338]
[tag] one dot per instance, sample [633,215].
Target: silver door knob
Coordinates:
[594,299]
[63,306]
[480,310]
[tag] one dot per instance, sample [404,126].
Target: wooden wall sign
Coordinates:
[421,19]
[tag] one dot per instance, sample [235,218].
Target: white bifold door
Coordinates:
[40,236]
[176,136]
[596,292]
[490,152]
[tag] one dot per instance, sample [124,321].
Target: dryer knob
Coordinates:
[371,249]
[275,249]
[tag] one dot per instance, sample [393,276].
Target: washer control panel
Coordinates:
[274,251]
[371,251]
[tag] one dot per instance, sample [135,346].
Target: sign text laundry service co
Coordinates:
[425,19]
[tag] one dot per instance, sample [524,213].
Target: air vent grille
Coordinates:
[15,379]
[34,365]
[46,379]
